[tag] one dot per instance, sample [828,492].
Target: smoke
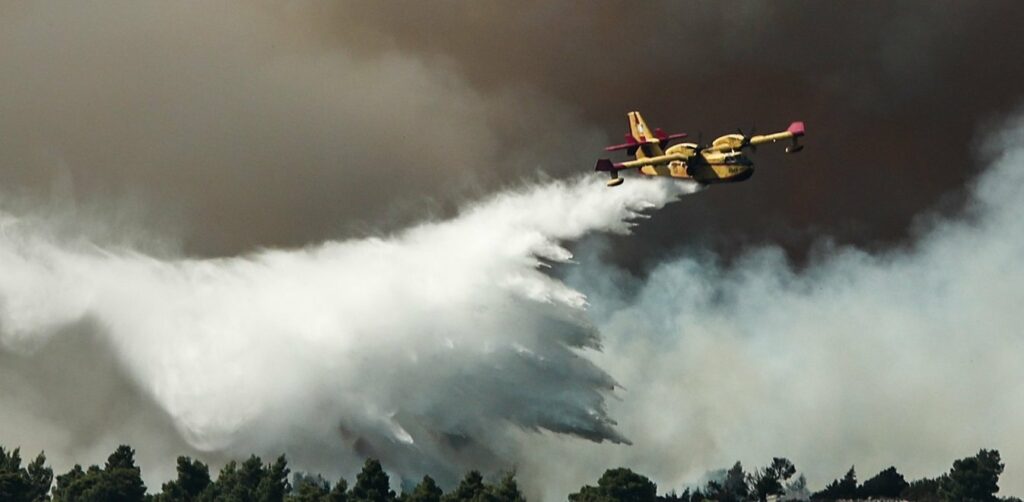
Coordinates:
[247,124]
[890,90]
[422,349]
[232,127]
[253,124]
[909,357]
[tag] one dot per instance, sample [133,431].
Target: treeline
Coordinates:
[971,479]
[120,480]
[974,479]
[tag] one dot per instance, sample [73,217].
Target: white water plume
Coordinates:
[421,348]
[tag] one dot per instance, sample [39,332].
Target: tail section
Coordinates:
[649,145]
[646,145]
[641,141]
[638,128]
[605,165]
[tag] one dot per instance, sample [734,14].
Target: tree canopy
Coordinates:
[971,479]
[24,484]
[886,484]
[618,485]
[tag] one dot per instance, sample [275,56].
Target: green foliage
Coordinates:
[309,488]
[70,484]
[340,492]
[372,484]
[768,481]
[618,485]
[193,478]
[733,488]
[886,484]
[252,481]
[426,491]
[471,488]
[306,488]
[845,488]
[24,484]
[923,490]
[274,485]
[120,480]
[696,496]
[973,479]
[506,490]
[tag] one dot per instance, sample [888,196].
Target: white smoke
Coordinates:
[911,357]
[421,348]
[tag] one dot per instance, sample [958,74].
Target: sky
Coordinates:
[150,151]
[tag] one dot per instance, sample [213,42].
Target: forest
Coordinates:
[119,479]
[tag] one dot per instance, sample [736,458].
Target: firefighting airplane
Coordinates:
[723,161]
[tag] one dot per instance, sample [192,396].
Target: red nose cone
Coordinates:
[796,128]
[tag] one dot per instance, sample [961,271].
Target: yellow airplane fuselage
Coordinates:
[723,161]
[708,166]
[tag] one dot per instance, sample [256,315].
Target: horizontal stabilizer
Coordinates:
[660,137]
[658,133]
[623,146]
[630,144]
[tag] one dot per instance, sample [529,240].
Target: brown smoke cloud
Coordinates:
[246,125]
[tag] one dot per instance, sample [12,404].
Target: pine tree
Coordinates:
[122,479]
[618,485]
[973,479]
[507,490]
[193,478]
[274,483]
[426,491]
[845,488]
[306,488]
[768,481]
[886,484]
[340,492]
[372,484]
[24,484]
[471,488]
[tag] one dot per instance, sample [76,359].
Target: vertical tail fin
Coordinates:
[650,144]
[638,128]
